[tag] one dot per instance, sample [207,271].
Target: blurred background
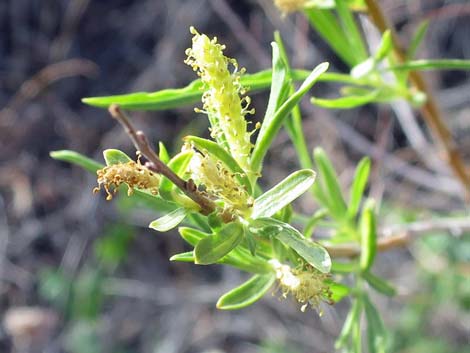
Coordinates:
[82,275]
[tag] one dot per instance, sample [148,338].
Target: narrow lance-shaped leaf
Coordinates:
[385,46]
[379,284]
[315,254]
[329,181]
[169,221]
[444,64]
[163,153]
[283,193]
[178,97]
[347,102]
[293,124]
[417,39]
[113,156]
[376,331]
[368,236]
[183,257]
[246,294]
[354,315]
[279,85]
[178,164]
[358,186]
[354,36]
[212,248]
[238,257]
[76,158]
[264,140]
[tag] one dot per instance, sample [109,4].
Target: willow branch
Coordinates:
[401,236]
[155,164]
[430,110]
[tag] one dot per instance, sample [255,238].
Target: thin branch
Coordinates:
[430,110]
[400,236]
[155,164]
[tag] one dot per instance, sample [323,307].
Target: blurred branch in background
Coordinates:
[430,110]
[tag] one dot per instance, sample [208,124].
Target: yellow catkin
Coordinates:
[289,6]
[220,183]
[222,100]
[304,283]
[134,174]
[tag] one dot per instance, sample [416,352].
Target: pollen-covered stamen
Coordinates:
[220,183]
[304,283]
[134,174]
[222,100]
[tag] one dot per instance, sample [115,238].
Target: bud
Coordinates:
[134,174]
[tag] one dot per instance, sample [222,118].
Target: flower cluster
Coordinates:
[305,283]
[134,174]
[222,100]
[219,182]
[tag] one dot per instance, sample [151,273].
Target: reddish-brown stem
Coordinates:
[430,110]
[155,164]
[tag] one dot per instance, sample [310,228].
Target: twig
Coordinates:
[155,164]
[430,110]
[400,236]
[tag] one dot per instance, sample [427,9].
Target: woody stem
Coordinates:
[155,164]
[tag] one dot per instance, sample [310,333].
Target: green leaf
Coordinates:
[178,164]
[421,65]
[350,27]
[183,257]
[315,254]
[329,182]
[78,159]
[283,193]
[293,124]
[212,248]
[379,284]
[174,97]
[354,316]
[364,68]
[163,153]
[266,136]
[417,39]
[376,331]
[347,102]
[151,201]
[238,257]
[246,294]
[169,221]
[338,290]
[313,221]
[326,24]
[359,184]
[221,154]
[368,236]
[279,87]
[385,46]
[112,156]
[344,267]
